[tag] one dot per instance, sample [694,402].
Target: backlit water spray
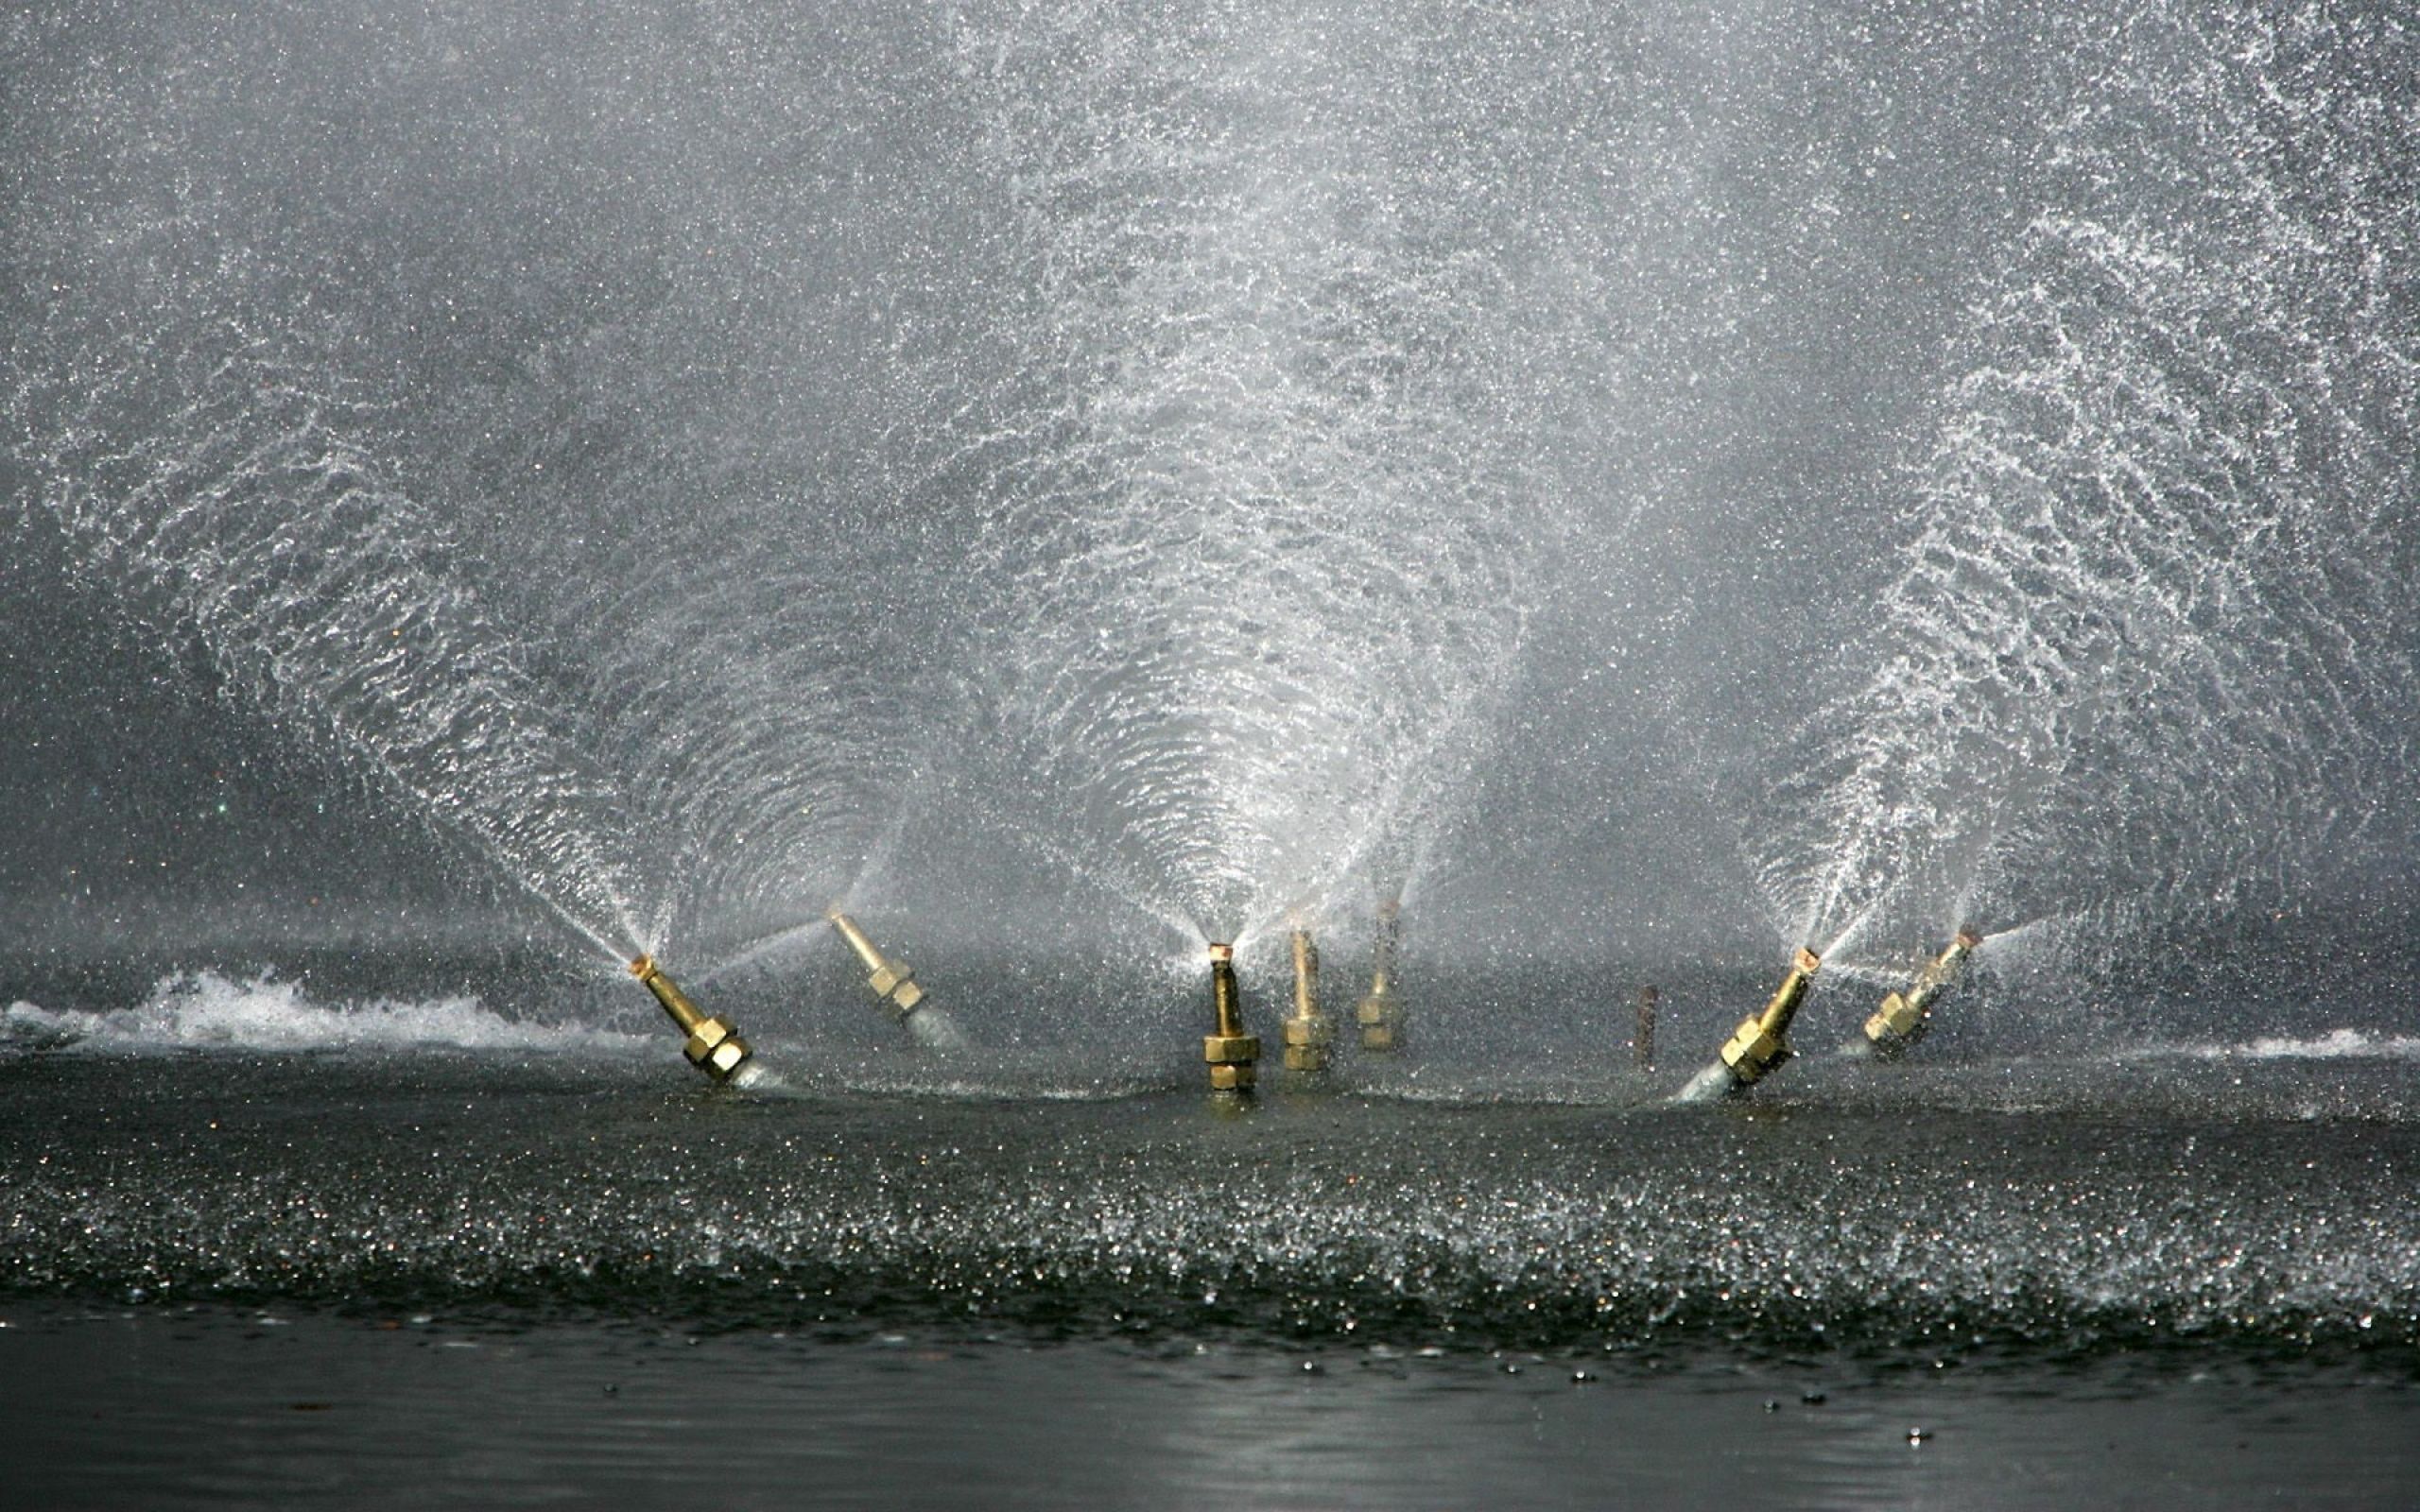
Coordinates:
[2146,644]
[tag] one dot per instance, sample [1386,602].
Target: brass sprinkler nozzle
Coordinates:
[893,985]
[1380,1013]
[1231,1053]
[713,1046]
[1906,1016]
[1308,1033]
[1761,1042]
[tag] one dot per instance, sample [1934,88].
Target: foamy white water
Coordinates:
[2336,1044]
[203,1010]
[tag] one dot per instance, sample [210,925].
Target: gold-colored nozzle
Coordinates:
[1380,1011]
[895,984]
[712,1045]
[1308,1033]
[1232,1055]
[1906,1016]
[1761,1042]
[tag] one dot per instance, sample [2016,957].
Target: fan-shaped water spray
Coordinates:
[416,478]
[222,478]
[1265,491]
[2148,648]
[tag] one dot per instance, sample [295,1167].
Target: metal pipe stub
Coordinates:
[894,984]
[1761,1042]
[1380,1011]
[1231,1053]
[1906,1016]
[712,1045]
[1310,1033]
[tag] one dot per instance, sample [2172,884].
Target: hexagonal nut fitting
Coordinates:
[883,979]
[1896,1025]
[714,1047]
[1231,1049]
[1234,1078]
[1308,1031]
[1306,1058]
[1380,1037]
[1750,1051]
[905,998]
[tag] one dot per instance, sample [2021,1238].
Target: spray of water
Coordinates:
[1258,490]
[401,449]
[217,474]
[768,740]
[2146,646]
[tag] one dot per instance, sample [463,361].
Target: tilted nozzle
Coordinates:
[1906,1015]
[1380,1013]
[1761,1042]
[894,984]
[1308,1033]
[712,1045]
[1231,1053]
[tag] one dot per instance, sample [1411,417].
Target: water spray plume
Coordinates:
[2154,615]
[1250,436]
[249,508]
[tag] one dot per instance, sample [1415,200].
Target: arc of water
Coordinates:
[2158,560]
[214,472]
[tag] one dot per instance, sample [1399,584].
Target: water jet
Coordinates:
[1906,1016]
[1231,1053]
[714,1045]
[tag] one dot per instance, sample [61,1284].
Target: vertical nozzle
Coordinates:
[712,1045]
[1231,1053]
[1642,1039]
[1380,1013]
[1761,1042]
[1308,1033]
[893,985]
[1906,1016]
